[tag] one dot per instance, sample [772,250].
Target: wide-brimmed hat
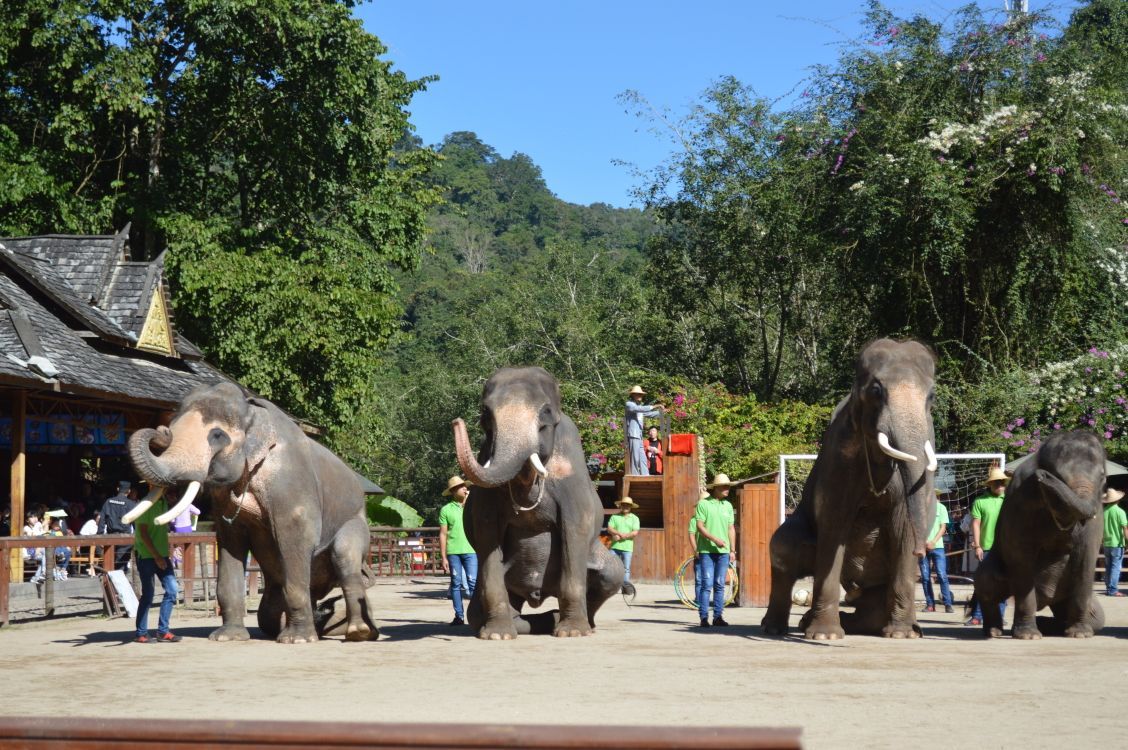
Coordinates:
[627,501]
[1112,495]
[454,483]
[636,391]
[721,480]
[996,475]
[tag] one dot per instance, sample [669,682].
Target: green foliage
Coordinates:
[390,511]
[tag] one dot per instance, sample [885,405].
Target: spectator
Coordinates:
[186,521]
[716,547]
[6,520]
[636,411]
[653,452]
[90,528]
[1115,523]
[935,557]
[623,528]
[62,554]
[32,527]
[153,560]
[112,511]
[457,555]
[984,515]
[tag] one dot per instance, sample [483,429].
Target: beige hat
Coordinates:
[636,391]
[996,475]
[1112,495]
[721,480]
[454,483]
[627,501]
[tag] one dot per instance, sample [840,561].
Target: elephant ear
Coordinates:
[260,435]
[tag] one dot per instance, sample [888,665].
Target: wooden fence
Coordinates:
[391,552]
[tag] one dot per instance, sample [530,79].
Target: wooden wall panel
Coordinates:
[681,489]
[757,516]
[648,563]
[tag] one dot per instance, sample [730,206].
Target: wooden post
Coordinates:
[681,489]
[188,572]
[18,484]
[5,583]
[758,516]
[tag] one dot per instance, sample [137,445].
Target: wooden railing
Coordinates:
[110,734]
[392,552]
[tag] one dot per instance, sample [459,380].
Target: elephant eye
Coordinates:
[876,389]
[218,437]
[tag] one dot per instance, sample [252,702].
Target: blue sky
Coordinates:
[542,78]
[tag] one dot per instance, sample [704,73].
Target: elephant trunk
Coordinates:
[913,435]
[508,459]
[151,468]
[1070,502]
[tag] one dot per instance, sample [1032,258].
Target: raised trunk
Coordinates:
[507,460]
[152,469]
[1067,503]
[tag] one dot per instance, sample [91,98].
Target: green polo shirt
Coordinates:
[624,524]
[941,519]
[986,508]
[718,517]
[158,532]
[451,517]
[1115,519]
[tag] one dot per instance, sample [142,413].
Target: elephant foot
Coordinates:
[230,633]
[1080,630]
[992,631]
[498,630]
[572,628]
[773,625]
[297,635]
[361,633]
[1026,633]
[824,631]
[901,630]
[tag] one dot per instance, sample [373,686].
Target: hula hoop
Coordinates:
[684,582]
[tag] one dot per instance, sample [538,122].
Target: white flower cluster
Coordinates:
[1075,82]
[978,132]
[1115,264]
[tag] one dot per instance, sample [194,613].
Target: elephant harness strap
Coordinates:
[869,471]
[246,480]
[517,507]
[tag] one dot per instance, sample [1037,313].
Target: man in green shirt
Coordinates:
[150,540]
[716,546]
[623,528]
[454,548]
[1115,530]
[934,557]
[984,516]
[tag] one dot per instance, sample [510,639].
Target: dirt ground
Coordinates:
[647,664]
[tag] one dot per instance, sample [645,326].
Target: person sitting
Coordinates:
[62,554]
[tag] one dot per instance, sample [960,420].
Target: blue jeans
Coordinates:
[625,556]
[712,567]
[1114,559]
[146,570]
[940,563]
[468,563]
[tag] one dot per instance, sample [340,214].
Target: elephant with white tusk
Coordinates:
[867,504]
[275,493]
[532,516]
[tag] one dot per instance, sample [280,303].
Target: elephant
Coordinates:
[867,504]
[1047,538]
[533,515]
[277,494]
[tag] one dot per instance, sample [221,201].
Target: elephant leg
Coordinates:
[825,624]
[231,586]
[270,609]
[1025,626]
[605,577]
[1081,606]
[792,552]
[349,549]
[574,620]
[991,588]
[295,545]
[899,607]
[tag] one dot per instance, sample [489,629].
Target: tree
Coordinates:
[256,141]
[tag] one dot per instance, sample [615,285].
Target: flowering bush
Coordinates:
[1089,392]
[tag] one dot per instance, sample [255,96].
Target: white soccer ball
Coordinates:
[801,597]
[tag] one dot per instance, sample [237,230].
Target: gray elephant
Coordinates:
[276,493]
[1046,542]
[532,516]
[867,504]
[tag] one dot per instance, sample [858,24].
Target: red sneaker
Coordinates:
[168,637]
[142,639]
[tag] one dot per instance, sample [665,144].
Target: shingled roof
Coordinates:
[78,315]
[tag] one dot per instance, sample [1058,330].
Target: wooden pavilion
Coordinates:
[88,353]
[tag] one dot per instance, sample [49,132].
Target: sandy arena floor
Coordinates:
[646,665]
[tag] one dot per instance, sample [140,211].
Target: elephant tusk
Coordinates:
[535,460]
[143,505]
[889,450]
[486,465]
[931,454]
[185,500]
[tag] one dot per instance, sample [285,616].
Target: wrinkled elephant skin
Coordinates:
[867,504]
[533,515]
[1047,540]
[276,494]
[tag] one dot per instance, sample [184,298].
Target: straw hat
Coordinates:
[996,475]
[1111,496]
[454,483]
[636,391]
[721,480]
[626,501]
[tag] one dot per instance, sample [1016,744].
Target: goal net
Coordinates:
[959,480]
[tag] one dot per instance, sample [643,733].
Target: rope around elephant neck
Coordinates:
[869,471]
[517,507]
[247,483]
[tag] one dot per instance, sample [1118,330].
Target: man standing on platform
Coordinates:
[457,555]
[636,412]
[716,547]
[111,523]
